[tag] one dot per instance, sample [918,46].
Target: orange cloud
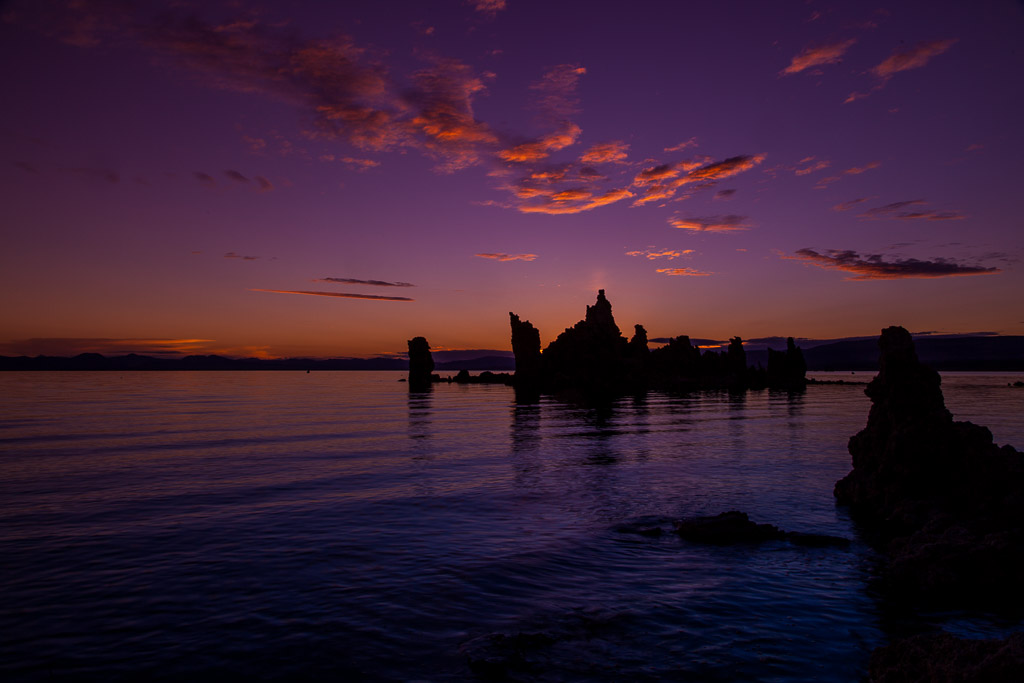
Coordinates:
[606,153]
[567,135]
[669,254]
[445,121]
[657,173]
[692,142]
[875,267]
[577,204]
[725,168]
[508,257]
[818,55]
[340,295]
[727,223]
[684,272]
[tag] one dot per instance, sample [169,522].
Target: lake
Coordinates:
[333,526]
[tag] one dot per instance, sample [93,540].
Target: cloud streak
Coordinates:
[339,295]
[904,60]
[726,223]
[507,257]
[876,267]
[684,272]
[818,56]
[898,210]
[373,283]
[653,254]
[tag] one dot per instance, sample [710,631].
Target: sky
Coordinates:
[328,179]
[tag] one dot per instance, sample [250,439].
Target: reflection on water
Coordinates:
[419,413]
[334,525]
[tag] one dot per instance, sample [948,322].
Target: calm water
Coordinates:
[333,527]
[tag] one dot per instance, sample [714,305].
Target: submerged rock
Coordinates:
[734,527]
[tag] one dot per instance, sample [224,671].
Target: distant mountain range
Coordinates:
[969,353]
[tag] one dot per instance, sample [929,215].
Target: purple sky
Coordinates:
[333,178]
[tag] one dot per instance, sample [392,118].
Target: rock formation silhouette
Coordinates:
[529,373]
[787,369]
[421,364]
[939,498]
[593,360]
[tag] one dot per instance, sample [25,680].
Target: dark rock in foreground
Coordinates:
[942,658]
[945,506]
[735,527]
[939,498]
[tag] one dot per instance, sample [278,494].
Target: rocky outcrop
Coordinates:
[938,497]
[421,364]
[529,374]
[588,358]
[787,369]
[592,359]
[734,527]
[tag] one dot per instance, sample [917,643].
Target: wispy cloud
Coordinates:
[876,267]
[340,295]
[663,181]
[352,162]
[574,201]
[236,176]
[727,223]
[555,92]
[265,185]
[507,257]
[353,281]
[817,56]
[906,210]
[692,142]
[606,153]
[853,170]
[653,254]
[232,254]
[913,58]
[684,272]
[904,60]
[205,179]
[811,165]
[489,8]
[567,135]
[846,206]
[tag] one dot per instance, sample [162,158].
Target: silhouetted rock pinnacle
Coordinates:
[787,369]
[592,359]
[944,500]
[421,364]
[526,347]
